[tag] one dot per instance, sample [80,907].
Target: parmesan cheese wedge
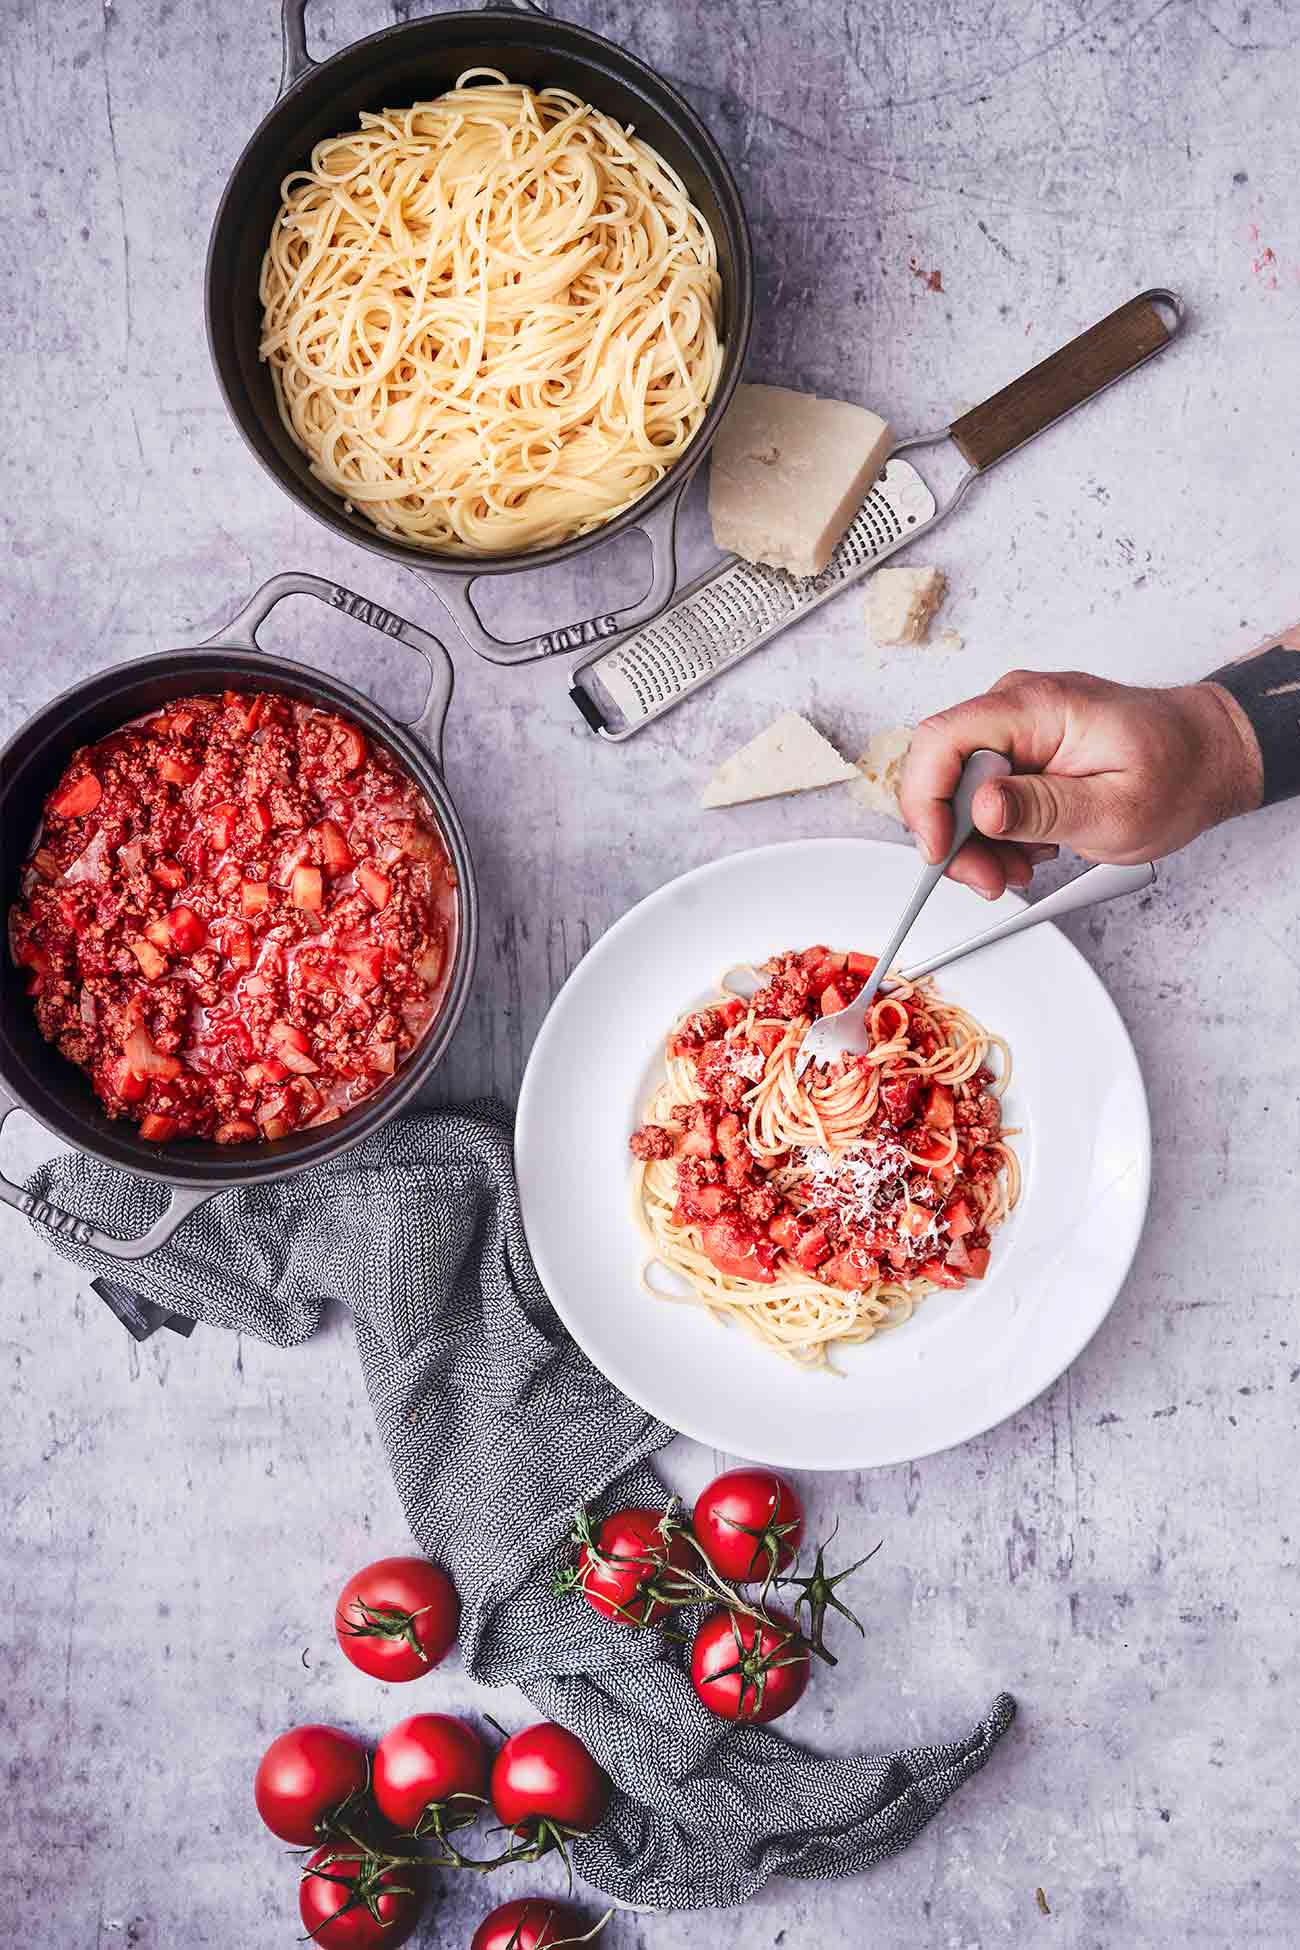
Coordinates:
[901,602]
[790,756]
[879,770]
[788,474]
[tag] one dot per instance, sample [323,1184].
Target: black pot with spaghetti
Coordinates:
[205,850]
[465,318]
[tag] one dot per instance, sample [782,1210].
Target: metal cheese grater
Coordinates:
[736,607]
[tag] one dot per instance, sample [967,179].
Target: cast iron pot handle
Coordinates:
[242,632]
[297,61]
[659,528]
[184,1199]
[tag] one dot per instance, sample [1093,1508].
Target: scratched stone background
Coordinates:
[1121,1555]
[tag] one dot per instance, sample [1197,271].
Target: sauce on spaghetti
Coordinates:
[818,1210]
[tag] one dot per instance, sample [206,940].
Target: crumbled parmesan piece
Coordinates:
[788,474]
[901,602]
[879,770]
[950,639]
[790,756]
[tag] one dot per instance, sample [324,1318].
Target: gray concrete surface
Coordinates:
[1121,1555]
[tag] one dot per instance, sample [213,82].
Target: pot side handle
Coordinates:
[659,528]
[242,630]
[184,1200]
[297,62]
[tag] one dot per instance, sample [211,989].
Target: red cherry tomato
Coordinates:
[398,1617]
[617,1589]
[430,1773]
[348,1902]
[746,1671]
[529,1923]
[750,1522]
[303,1776]
[545,1782]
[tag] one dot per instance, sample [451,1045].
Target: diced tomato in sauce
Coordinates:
[187,930]
[958,1218]
[735,1249]
[132,1089]
[840,1271]
[222,825]
[786,1230]
[901,1099]
[78,797]
[334,848]
[376,886]
[705,1202]
[239,917]
[813,1248]
[940,1108]
[305,888]
[940,1274]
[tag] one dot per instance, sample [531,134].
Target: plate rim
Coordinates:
[793,1459]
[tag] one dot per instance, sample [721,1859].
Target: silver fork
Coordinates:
[845,1033]
[1089,889]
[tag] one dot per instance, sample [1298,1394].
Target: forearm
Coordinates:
[1262,692]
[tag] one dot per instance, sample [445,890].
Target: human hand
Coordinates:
[1117,772]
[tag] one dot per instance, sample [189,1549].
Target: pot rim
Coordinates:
[261,1163]
[714,165]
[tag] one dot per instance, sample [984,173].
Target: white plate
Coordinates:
[966,1359]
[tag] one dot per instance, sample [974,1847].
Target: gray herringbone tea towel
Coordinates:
[497,1427]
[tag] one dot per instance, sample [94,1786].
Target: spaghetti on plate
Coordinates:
[816,1211]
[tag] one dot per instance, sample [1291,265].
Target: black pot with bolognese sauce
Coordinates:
[237,918]
[244,931]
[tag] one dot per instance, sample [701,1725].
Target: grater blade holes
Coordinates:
[737,606]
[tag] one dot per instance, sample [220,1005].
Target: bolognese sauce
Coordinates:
[238,917]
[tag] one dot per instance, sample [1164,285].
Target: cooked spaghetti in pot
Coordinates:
[492,318]
[815,1211]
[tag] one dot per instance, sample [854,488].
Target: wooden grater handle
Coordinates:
[1066,379]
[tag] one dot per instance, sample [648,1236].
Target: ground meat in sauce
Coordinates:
[789,990]
[759,1205]
[981,1116]
[651,1141]
[238,916]
[715,1072]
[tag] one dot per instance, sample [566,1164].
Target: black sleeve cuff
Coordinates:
[1267,688]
